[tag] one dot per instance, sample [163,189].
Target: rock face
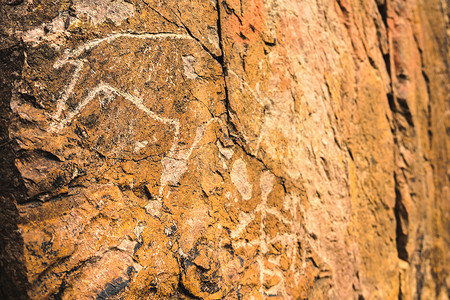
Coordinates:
[225,149]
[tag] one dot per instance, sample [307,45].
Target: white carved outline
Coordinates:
[176,160]
[289,240]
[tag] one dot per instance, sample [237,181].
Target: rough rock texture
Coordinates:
[224,149]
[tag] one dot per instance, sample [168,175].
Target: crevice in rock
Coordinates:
[234,135]
[184,291]
[222,62]
[234,132]
[382,9]
[401,218]
[62,288]
[219,59]
[49,269]
[400,212]
[403,110]
[429,112]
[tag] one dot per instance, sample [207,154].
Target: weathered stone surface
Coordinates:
[225,149]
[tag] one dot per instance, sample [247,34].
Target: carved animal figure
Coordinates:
[135,75]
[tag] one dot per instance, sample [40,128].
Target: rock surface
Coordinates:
[225,149]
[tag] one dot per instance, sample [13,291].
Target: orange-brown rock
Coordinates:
[224,149]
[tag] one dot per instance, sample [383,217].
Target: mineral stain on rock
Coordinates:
[224,149]
[113,288]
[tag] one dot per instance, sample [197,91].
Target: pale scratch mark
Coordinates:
[139,145]
[69,89]
[139,103]
[239,177]
[188,65]
[175,163]
[175,166]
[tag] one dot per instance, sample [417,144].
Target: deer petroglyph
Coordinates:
[175,162]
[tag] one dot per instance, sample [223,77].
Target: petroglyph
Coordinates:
[139,145]
[154,208]
[239,177]
[188,65]
[288,240]
[266,184]
[72,57]
[174,163]
[175,166]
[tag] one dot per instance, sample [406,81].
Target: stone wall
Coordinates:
[224,149]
